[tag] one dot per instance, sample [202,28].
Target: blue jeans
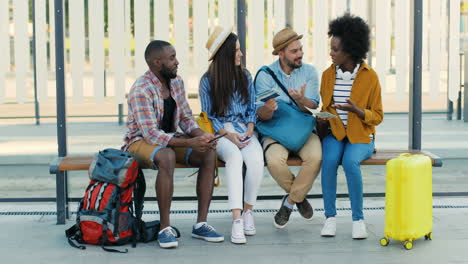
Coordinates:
[350,156]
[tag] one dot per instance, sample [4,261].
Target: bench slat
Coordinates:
[75,163]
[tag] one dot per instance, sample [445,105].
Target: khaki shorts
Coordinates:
[145,154]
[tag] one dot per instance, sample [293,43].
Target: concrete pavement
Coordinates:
[36,239]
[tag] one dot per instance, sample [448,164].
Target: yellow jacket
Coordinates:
[365,93]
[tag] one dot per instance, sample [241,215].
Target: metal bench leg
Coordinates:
[61,197]
[67,208]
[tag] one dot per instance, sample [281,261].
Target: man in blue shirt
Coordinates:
[301,80]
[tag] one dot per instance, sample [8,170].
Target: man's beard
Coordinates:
[167,73]
[292,65]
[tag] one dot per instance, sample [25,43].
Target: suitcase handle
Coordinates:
[405,154]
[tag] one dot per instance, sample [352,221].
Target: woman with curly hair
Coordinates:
[350,89]
[228,97]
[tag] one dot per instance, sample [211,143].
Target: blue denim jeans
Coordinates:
[350,156]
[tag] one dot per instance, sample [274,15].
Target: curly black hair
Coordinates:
[353,33]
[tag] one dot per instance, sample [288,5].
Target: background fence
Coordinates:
[105,42]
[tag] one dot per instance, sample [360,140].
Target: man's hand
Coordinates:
[297,95]
[271,104]
[202,143]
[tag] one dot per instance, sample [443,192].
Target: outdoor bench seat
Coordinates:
[77,163]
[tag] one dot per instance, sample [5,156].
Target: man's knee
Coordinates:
[276,163]
[311,156]
[165,158]
[208,158]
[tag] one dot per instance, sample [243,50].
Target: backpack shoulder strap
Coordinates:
[139,194]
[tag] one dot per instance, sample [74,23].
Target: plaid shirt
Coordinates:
[146,110]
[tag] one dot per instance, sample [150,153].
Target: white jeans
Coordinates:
[252,156]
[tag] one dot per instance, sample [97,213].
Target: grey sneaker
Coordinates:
[305,209]
[282,216]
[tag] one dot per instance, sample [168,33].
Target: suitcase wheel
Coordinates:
[428,236]
[384,241]
[408,245]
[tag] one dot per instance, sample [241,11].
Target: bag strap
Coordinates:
[71,235]
[139,194]
[104,241]
[273,75]
[267,147]
[216,179]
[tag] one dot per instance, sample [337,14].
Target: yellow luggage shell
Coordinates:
[408,198]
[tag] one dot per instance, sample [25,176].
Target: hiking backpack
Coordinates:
[110,212]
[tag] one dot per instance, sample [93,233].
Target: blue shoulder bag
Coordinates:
[288,125]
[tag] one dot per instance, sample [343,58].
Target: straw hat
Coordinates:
[283,38]
[216,40]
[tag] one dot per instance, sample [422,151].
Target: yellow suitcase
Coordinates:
[408,199]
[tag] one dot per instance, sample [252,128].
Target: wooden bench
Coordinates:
[78,163]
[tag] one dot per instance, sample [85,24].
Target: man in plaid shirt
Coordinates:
[156,108]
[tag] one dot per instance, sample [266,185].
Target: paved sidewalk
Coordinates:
[36,239]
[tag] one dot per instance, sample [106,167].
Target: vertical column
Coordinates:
[465,88]
[41,50]
[426,42]
[301,19]
[401,46]
[161,19]
[320,37]
[416,81]
[4,46]
[211,12]
[339,7]
[279,15]
[383,41]
[359,8]
[142,28]
[226,13]
[116,48]
[61,177]
[200,35]
[181,32]
[51,35]
[270,29]
[256,13]
[241,26]
[454,50]
[20,15]
[96,47]
[76,24]
[434,48]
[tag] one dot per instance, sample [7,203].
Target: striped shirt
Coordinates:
[237,113]
[342,92]
[146,111]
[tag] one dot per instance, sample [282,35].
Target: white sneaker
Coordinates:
[359,230]
[329,228]
[237,232]
[249,225]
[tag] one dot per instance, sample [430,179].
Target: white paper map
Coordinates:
[325,115]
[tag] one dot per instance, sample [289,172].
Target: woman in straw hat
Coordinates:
[228,97]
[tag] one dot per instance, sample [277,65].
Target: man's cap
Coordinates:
[283,38]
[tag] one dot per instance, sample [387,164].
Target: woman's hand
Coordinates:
[249,133]
[236,139]
[350,107]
